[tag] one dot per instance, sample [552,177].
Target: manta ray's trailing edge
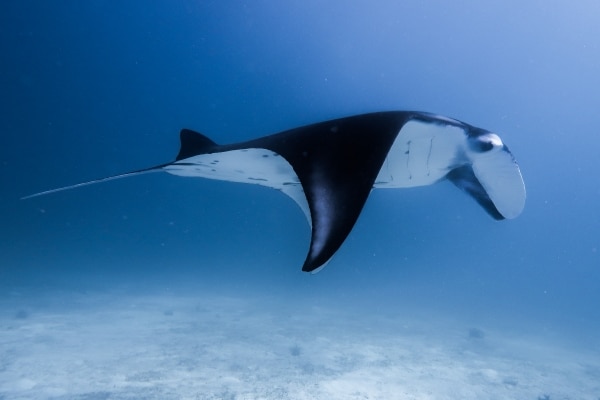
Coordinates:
[329,168]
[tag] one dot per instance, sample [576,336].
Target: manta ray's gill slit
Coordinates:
[429,156]
[407,152]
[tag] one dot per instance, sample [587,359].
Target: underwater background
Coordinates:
[96,88]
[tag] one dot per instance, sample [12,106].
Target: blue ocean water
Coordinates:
[96,88]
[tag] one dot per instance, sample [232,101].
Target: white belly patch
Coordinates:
[256,166]
[422,154]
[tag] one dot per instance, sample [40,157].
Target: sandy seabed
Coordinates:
[96,346]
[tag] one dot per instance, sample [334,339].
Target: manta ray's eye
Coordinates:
[484,146]
[486,142]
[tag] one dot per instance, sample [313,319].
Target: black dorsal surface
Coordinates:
[337,162]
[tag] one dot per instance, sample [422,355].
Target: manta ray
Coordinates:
[330,168]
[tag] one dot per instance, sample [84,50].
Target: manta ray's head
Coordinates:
[497,171]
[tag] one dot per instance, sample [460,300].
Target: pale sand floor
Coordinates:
[124,346]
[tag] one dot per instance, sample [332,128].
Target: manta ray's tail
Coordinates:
[108,178]
[192,143]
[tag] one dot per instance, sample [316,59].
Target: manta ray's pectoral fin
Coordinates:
[334,211]
[336,163]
